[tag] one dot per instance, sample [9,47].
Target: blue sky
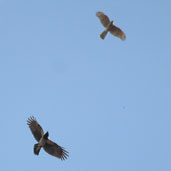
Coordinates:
[106,101]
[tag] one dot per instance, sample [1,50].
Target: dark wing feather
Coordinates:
[55,150]
[104,19]
[117,32]
[35,128]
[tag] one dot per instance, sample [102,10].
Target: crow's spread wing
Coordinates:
[35,128]
[55,150]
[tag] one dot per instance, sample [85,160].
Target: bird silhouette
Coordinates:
[110,27]
[43,142]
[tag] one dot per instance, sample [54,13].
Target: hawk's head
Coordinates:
[46,135]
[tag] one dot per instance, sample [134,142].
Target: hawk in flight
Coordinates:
[110,27]
[43,141]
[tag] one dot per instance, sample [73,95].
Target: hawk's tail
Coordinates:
[36,149]
[103,34]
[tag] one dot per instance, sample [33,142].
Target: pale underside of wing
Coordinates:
[116,31]
[55,150]
[35,128]
[104,19]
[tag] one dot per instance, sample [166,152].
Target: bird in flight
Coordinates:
[43,142]
[110,27]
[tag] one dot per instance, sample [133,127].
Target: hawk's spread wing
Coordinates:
[55,150]
[104,19]
[35,128]
[117,32]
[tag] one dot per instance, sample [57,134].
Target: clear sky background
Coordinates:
[108,102]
